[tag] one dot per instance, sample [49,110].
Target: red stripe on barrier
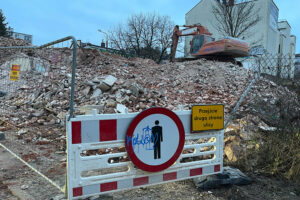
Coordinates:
[140,181]
[217,168]
[108,186]
[170,176]
[77,192]
[76,132]
[196,172]
[108,130]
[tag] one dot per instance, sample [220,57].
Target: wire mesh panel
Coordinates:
[32,74]
[35,95]
[280,66]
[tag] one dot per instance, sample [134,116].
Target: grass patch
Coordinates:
[280,154]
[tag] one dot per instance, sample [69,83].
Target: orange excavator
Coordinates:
[204,45]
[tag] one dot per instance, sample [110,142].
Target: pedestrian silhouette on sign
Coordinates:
[156,138]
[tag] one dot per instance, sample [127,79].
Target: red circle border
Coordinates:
[136,161]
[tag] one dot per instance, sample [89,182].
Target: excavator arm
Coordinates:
[189,30]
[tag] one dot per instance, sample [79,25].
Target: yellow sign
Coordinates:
[207,117]
[14,73]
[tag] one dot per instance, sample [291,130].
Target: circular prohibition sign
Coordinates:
[172,137]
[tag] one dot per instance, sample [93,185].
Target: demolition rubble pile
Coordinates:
[8,42]
[111,83]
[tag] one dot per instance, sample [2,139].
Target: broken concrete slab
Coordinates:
[96,80]
[38,113]
[86,90]
[97,93]
[22,131]
[110,80]
[122,109]
[181,67]
[104,87]
[111,103]
[88,109]
[134,88]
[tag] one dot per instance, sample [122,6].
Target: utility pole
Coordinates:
[106,45]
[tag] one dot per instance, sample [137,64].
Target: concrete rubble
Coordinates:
[111,83]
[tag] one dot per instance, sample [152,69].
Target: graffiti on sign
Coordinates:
[207,117]
[144,139]
[155,139]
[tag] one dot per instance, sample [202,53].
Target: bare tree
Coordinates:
[235,18]
[145,35]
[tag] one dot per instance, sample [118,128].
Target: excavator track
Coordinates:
[212,57]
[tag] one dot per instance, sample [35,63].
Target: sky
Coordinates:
[49,20]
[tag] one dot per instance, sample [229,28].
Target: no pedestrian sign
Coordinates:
[207,117]
[155,139]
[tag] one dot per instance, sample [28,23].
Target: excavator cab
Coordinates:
[198,41]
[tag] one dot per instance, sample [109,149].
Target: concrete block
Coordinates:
[96,93]
[110,80]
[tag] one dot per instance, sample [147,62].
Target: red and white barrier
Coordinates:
[96,174]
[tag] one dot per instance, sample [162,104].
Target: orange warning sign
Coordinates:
[14,73]
[15,68]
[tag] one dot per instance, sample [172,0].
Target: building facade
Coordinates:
[264,36]
[268,36]
[23,36]
[297,66]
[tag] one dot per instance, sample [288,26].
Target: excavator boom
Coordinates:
[188,30]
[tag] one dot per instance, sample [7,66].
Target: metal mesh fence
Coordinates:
[35,85]
[33,73]
[36,73]
[279,66]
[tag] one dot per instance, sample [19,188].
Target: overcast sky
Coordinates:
[48,20]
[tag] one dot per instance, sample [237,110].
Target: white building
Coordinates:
[287,42]
[23,36]
[268,36]
[297,65]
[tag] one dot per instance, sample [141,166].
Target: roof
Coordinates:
[284,21]
[275,5]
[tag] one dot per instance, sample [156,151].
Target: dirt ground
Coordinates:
[19,182]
